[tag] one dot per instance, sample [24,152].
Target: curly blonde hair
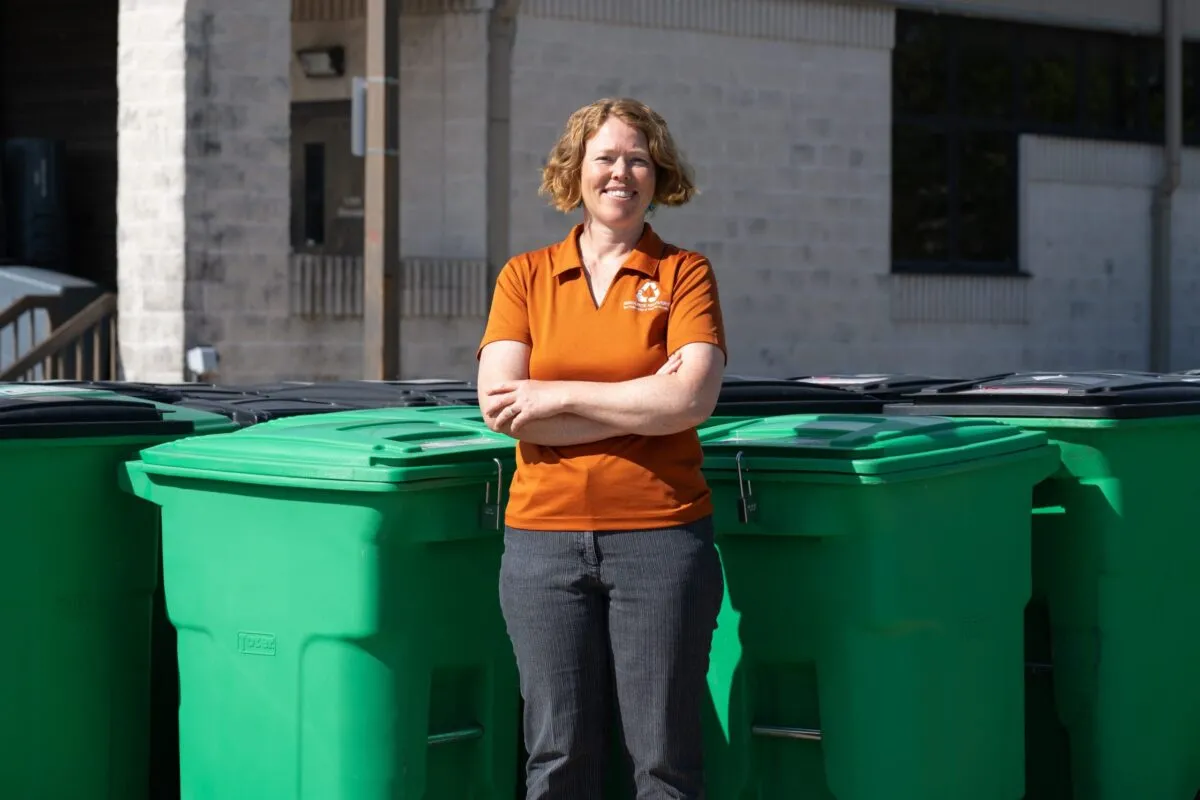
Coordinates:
[561,176]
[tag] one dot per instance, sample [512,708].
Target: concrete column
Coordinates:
[202,198]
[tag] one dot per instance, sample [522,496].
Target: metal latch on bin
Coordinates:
[490,512]
[787,732]
[454,737]
[747,505]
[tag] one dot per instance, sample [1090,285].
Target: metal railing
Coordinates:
[23,324]
[325,286]
[82,348]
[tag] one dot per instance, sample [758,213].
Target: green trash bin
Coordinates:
[1113,632]
[334,588]
[76,587]
[870,641]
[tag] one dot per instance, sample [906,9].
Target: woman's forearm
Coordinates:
[564,430]
[657,405]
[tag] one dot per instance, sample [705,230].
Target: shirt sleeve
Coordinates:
[695,314]
[508,319]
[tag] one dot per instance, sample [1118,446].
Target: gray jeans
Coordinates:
[632,609]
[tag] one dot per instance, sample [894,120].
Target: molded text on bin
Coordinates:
[256,644]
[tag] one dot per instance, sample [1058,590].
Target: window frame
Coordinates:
[953,123]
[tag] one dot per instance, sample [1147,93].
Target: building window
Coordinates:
[963,92]
[326,181]
[314,193]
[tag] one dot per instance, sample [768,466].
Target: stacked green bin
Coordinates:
[76,587]
[334,585]
[1114,626]
[869,644]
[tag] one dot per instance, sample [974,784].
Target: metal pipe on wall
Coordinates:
[1162,208]
[381,212]
[502,23]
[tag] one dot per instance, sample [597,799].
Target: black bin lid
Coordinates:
[410,385]
[456,397]
[170,393]
[878,383]
[1076,395]
[158,393]
[56,416]
[268,388]
[416,384]
[350,394]
[748,396]
[453,396]
[207,391]
[254,409]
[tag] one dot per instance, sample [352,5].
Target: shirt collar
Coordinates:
[644,258]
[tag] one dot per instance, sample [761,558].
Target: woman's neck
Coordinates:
[601,243]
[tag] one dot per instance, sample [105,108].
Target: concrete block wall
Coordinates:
[151,223]
[332,346]
[1086,242]
[783,107]
[443,175]
[1085,246]
[443,141]
[1087,233]
[203,187]
[789,130]
[784,110]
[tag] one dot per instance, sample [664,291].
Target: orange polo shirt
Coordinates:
[661,299]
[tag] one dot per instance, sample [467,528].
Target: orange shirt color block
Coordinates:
[661,299]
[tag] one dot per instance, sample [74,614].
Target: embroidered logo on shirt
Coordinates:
[647,299]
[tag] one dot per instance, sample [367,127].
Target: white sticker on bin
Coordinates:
[847,381]
[1040,390]
[450,443]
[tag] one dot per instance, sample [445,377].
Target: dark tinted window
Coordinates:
[920,216]
[965,90]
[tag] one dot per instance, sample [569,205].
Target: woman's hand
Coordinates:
[514,404]
[511,405]
[672,366]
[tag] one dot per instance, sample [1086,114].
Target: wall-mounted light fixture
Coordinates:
[323,62]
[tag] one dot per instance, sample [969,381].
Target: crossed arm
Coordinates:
[681,395]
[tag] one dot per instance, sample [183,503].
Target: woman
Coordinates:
[601,356]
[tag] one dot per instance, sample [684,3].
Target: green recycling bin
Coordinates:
[1113,638]
[334,588]
[870,641]
[76,587]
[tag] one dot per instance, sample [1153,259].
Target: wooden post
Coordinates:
[381,213]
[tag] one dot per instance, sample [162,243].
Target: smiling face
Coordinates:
[617,175]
